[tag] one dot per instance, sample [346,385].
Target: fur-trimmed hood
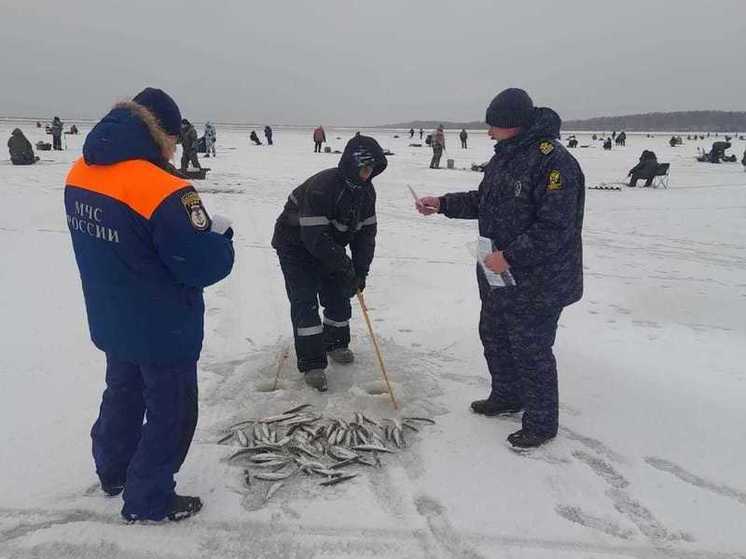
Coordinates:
[129,131]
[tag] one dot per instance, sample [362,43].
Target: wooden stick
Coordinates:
[283,358]
[375,346]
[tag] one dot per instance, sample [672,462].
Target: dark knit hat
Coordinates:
[512,108]
[163,108]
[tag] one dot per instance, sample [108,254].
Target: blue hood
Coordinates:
[120,136]
[546,125]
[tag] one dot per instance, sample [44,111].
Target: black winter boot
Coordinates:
[524,439]
[112,489]
[181,507]
[317,379]
[184,507]
[491,408]
[342,355]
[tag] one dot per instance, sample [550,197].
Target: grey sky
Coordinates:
[372,62]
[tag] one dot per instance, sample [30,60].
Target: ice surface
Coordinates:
[650,458]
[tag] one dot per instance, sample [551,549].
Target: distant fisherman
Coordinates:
[463,135]
[210,139]
[319,137]
[530,211]
[145,247]
[329,211]
[188,146]
[438,143]
[57,130]
[21,150]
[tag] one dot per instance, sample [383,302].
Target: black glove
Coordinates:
[348,282]
[361,282]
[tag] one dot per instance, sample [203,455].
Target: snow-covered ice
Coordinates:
[650,458]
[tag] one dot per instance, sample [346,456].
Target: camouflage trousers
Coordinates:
[518,332]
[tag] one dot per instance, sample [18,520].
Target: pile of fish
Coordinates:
[298,441]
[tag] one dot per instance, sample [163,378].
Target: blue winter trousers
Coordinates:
[145,456]
[518,331]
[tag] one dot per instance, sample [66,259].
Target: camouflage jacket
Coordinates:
[530,203]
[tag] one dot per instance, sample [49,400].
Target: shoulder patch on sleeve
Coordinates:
[555,180]
[196,211]
[546,147]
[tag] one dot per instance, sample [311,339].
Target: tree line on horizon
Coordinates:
[679,121]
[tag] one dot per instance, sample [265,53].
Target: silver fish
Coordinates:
[328,472]
[336,480]
[297,409]
[272,464]
[242,438]
[422,419]
[278,418]
[341,453]
[273,476]
[267,457]
[372,448]
[371,421]
[241,424]
[397,436]
[272,490]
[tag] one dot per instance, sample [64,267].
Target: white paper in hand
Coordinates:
[220,224]
[484,249]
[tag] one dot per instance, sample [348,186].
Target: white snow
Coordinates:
[650,458]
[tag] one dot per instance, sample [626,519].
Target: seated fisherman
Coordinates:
[645,169]
[717,153]
[21,151]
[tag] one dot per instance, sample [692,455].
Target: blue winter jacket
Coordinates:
[530,203]
[143,245]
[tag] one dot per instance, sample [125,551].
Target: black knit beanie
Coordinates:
[512,108]
[163,107]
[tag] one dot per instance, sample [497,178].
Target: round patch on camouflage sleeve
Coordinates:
[196,211]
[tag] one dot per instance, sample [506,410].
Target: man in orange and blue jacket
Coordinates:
[145,247]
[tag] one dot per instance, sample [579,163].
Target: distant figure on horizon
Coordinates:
[319,137]
[572,142]
[74,129]
[621,139]
[57,128]
[463,136]
[268,134]
[607,144]
[420,133]
[438,143]
[21,150]
[411,133]
[645,169]
[211,137]
[254,138]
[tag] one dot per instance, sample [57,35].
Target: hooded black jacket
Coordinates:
[21,151]
[333,209]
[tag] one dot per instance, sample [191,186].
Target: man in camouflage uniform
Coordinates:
[530,206]
[188,146]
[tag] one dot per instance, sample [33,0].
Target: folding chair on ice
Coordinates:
[662,174]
